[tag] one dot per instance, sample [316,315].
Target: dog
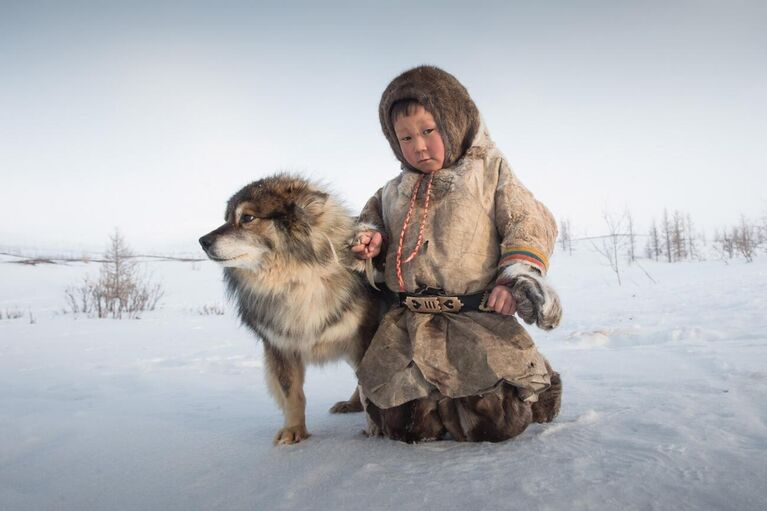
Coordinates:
[297,286]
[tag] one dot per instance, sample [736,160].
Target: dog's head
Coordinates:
[269,218]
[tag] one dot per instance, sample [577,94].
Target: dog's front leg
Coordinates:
[285,378]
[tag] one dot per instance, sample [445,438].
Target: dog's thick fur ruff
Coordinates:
[287,265]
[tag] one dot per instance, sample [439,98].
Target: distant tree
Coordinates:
[613,243]
[631,241]
[654,246]
[762,231]
[703,241]
[678,240]
[745,239]
[692,238]
[121,289]
[566,235]
[728,247]
[667,235]
[742,239]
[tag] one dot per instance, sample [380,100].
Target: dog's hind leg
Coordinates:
[285,379]
[365,333]
[354,404]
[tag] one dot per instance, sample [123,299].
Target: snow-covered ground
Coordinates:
[665,405]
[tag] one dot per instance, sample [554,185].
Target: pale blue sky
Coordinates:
[148,116]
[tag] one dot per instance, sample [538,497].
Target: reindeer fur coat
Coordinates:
[482,224]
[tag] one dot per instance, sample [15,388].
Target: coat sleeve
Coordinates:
[526,228]
[371,217]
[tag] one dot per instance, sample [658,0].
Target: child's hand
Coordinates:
[501,300]
[368,244]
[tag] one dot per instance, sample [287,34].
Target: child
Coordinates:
[465,245]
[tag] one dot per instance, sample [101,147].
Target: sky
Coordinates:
[148,116]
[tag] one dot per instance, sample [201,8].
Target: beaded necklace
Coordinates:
[406,224]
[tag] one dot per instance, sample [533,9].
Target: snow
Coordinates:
[664,405]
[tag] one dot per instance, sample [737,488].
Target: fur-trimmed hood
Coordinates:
[445,98]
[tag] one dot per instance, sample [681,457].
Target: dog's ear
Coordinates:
[313,203]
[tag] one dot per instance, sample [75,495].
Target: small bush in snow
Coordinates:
[211,310]
[121,290]
[11,314]
[744,239]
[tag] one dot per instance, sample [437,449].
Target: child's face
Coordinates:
[419,140]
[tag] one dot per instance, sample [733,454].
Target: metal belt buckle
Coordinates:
[483,303]
[433,304]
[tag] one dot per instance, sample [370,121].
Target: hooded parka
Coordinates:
[481,220]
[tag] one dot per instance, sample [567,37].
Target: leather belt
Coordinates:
[439,303]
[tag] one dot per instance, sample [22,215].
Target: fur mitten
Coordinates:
[537,302]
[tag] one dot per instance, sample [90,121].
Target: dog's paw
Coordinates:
[350,406]
[291,435]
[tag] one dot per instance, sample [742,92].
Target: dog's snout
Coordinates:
[206,242]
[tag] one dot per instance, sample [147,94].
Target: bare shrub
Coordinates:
[122,289]
[211,310]
[566,235]
[676,237]
[614,242]
[80,297]
[693,248]
[743,239]
[722,245]
[666,230]
[631,237]
[654,249]
[746,238]
[762,231]
[11,314]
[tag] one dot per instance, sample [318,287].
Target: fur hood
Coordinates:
[445,98]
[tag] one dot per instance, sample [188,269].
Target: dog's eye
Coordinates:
[246,219]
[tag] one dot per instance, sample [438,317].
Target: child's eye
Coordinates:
[405,139]
[428,131]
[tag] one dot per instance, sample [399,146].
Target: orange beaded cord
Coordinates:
[406,224]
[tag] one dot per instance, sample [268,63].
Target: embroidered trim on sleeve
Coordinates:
[526,254]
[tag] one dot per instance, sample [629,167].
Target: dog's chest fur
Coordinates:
[313,312]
